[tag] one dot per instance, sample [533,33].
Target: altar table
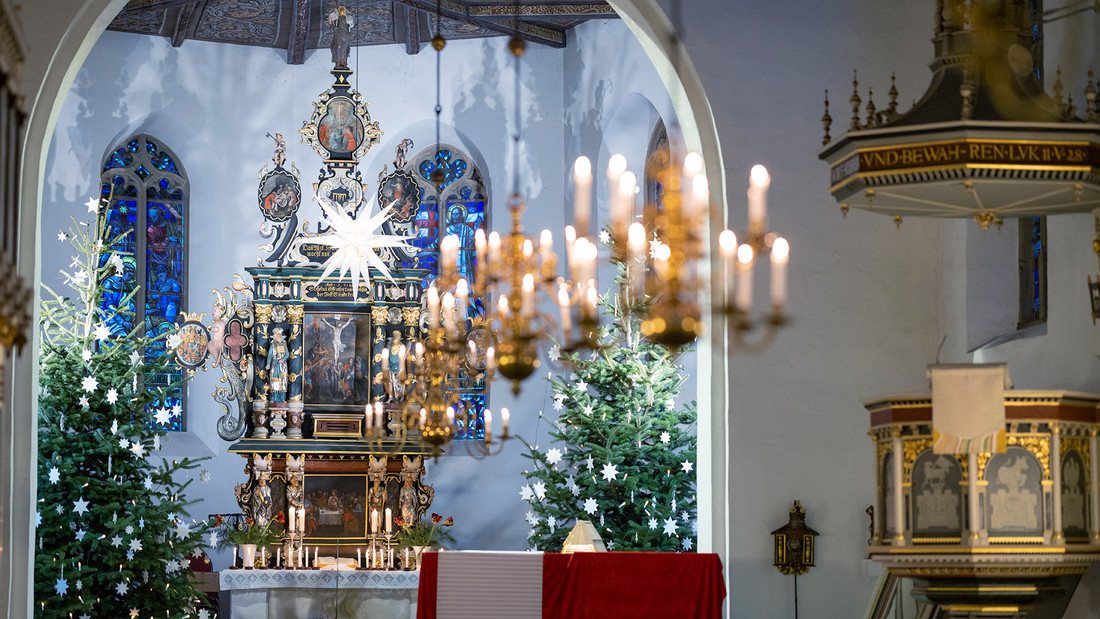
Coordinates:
[577,586]
[318,594]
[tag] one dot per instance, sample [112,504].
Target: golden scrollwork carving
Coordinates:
[296,314]
[1079,444]
[378,315]
[1038,446]
[881,449]
[263,314]
[983,459]
[913,448]
[411,316]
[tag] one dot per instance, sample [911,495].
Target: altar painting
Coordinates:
[336,369]
[335,506]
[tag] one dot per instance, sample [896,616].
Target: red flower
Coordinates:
[449,521]
[436,518]
[281,518]
[218,520]
[399,521]
[248,521]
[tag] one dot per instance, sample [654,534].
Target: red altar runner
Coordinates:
[613,584]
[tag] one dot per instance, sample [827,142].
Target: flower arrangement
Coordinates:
[248,532]
[430,534]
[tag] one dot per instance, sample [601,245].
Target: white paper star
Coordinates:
[84,401]
[204,475]
[60,510]
[80,533]
[61,586]
[116,262]
[114,427]
[183,530]
[590,505]
[85,616]
[112,395]
[213,539]
[591,463]
[670,527]
[356,244]
[582,386]
[558,405]
[89,383]
[133,613]
[665,437]
[102,332]
[686,465]
[116,541]
[177,410]
[61,236]
[532,518]
[203,614]
[37,519]
[135,357]
[610,544]
[553,456]
[149,483]
[137,448]
[540,489]
[588,410]
[687,543]
[163,416]
[654,248]
[173,342]
[55,475]
[80,506]
[610,471]
[93,205]
[129,529]
[123,443]
[525,493]
[79,585]
[605,238]
[86,355]
[554,354]
[135,545]
[652,524]
[122,588]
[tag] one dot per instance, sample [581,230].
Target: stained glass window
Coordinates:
[658,149]
[465,209]
[1033,271]
[147,192]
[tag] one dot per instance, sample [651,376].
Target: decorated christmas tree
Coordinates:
[622,454]
[112,529]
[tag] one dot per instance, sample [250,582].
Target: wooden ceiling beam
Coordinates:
[183,23]
[299,32]
[146,6]
[591,10]
[412,30]
[459,12]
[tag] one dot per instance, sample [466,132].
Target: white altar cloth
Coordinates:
[318,594]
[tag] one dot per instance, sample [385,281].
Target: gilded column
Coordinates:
[259,363]
[876,511]
[1056,536]
[1094,485]
[296,343]
[898,498]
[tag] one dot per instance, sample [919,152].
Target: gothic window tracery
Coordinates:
[147,193]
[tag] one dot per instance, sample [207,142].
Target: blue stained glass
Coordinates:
[465,193]
[142,172]
[453,170]
[132,146]
[120,158]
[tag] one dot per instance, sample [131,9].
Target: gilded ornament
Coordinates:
[411,316]
[1038,446]
[913,448]
[378,315]
[263,313]
[983,459]
[296,314]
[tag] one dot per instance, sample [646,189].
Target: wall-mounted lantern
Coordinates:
[794,544]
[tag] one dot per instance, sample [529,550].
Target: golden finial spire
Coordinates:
[893,108]
[826,120]
[870,108]
[855,101]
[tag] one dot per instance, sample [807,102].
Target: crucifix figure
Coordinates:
[337,327]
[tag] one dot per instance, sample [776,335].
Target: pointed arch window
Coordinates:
[465,209]
[148,192]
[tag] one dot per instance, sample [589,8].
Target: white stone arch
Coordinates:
[650,25]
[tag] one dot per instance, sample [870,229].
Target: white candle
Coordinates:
[263,556]
[401,352]
[570,242]
[502,306]
[546,247]
[406,557]
[448,255]
[727,242]
[291,521]
[636,258]
[389,521]
[278,556]
[780,254]
[433,307]
[462,289]
[759,180]
[528,297]
[744,278]
[488,416]
[566,318]
[301,525]
[386,365]
[234,556]
[450,314]
[374,521]
[315,555]
[504,421]
[390,563]
[379,419]
[618,207]
[370,429]
[693,164]
[582,202]
[494,249]
[490,358]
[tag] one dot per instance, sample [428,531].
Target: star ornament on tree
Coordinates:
[356,243]
[610,471]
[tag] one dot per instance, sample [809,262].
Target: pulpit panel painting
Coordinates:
[335,507]
[1015,493]
[1074,497]
[336,369]
[937,496]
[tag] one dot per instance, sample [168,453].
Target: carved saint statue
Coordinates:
[397,378]
[341,24]
[408,500]
[276,362]
[261,500]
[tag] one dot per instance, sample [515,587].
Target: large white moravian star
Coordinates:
[356,244]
